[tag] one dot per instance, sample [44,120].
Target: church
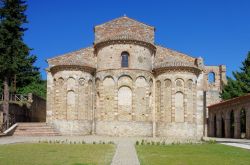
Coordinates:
[126,85]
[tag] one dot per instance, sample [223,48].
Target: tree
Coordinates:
[38,88]
[240,85]
[15,59]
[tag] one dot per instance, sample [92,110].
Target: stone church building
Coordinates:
[126,85]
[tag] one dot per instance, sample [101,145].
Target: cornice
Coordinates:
[58,68]
[190,69]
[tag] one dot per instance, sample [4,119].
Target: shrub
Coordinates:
[211,141]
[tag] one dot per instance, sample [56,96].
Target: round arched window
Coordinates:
[124,60]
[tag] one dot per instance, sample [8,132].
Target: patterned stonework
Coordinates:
[160,93]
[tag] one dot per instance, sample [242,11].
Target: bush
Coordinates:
[211,141]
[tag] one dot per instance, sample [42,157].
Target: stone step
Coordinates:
[38,134]
[35,129]
[32,124]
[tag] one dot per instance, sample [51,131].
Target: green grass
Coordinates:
[196,154]
[56,154]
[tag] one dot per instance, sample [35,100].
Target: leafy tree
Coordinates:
[240,85]
[16,63]
[38,88]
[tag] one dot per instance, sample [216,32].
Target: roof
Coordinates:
[82,57]
[167,57]
[126,19]
[231,101]
[123,27]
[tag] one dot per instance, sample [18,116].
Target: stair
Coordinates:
[35,129]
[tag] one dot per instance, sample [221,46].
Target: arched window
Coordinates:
[124,62]
[211,78]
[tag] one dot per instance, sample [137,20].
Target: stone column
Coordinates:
[248,122]
[218,126]
[237,124]
[116,108]
[211,125]
[93,95]
[227,124]
[50,96]
[154,109]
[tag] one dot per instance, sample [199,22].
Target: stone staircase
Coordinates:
[35,129]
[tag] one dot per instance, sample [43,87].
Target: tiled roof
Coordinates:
[122,27]
[82,57]
[167,57]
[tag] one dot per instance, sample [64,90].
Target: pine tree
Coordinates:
[240,85]
[15,58]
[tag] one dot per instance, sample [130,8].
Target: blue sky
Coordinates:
[217,30]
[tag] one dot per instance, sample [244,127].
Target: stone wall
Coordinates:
[123,103]
[37,109]
[20,112]
[213,88]
[33,110]
[176,104]
[109,57]
[70,101]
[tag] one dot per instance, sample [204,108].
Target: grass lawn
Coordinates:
[55,154]
[196,154]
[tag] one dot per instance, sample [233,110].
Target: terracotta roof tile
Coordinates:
[168,57]
[82,57]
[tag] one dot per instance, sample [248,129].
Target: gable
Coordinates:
[82,57]
[123,26]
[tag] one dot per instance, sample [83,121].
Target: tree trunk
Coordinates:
[6,102]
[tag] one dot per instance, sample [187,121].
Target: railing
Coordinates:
[17,98]
[13,98]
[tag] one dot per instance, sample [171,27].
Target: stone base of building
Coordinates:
[124,128]
[76,127]
[127,129]
[177,130]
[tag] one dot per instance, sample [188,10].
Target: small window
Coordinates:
[124,62]
[211,78]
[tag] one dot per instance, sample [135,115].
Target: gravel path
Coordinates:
[125,154]
[241,145]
